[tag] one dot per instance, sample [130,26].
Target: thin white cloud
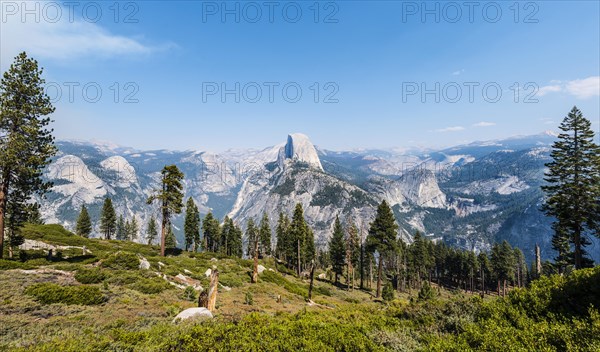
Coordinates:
[548,89]
[579,88]
[584,88]
[484,124]
[66,40]
[458,73]
[451,129]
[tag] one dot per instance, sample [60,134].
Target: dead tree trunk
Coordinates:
[255,268]
[212,290]
[298,269]
[538,261]
[379,270]
[312,278]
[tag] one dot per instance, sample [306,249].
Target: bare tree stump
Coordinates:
[212,290]
[203,299]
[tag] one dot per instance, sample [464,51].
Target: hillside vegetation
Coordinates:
[101,300]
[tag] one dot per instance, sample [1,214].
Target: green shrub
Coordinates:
[426,292]
[230,279]
[48,293]
[269,276]
[190,294]
[151,286]
[249,298]
[124,277]
[90,276]
[122,261]
[323,290]
[6,264]
[388,292]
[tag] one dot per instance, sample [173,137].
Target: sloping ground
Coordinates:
[123,308]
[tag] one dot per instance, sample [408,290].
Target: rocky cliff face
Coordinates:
[468,196]
[299,149]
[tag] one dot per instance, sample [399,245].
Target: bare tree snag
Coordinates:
[538,261]
[255,268]
[312,279]
[212,290]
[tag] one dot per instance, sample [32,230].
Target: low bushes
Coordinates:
[151,286]
[90,276]
[121,261]
[48,293]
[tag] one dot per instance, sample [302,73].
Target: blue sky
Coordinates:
[361,67]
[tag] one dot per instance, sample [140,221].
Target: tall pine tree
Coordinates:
[573,190]
[84,224]
[191,227]
[382,238]
[170,197]
[282,236]
[108,219]
[252,236]
[212,233]
[264,248]
[151,230]
[121,229]
[337,249]
[27,144]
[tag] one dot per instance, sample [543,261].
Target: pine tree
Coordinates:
[282,234]
[34,216]
[151,230]
[573,189]
[252,236]
[265,237]
[298,235]
[131,230]
[382,238]
[84,224]
[235,242]
[26,145]
[503,264]
[352,251]
[309,250]
[108,219]
[170,239]
[191,227]
[171,199]
[337,249]
[212,233]
[120,232]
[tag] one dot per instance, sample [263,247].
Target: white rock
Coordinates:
[261,269]
[187,271]
[322,276]
[161,264]
[208,272]
[299,148]
[214,259]
[271,270]
[193,313]
[226,288]
[144,264]
[182,287]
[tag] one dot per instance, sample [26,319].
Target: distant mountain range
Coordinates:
[469,195]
